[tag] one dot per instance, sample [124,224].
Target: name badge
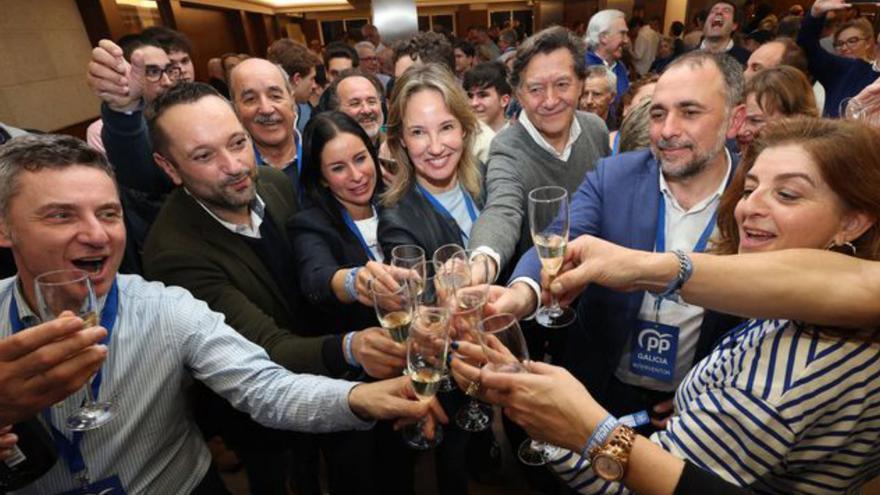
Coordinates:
[106,486]
[654,350]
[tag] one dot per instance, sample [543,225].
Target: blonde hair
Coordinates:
[435,77]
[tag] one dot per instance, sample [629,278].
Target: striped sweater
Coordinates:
[777,406]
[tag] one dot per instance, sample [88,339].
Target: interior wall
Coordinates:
[44,49]
[212,33]
[579,10]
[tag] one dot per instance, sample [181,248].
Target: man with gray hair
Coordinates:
[370,63]
[664,198]
[600,88]
[606,39]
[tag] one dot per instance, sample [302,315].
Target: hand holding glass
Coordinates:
[426,349]
[549,223]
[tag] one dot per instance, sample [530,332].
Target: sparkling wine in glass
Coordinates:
[71,290]
[426,349]
[549,223]
[467,314]
[506,352]
[394,306]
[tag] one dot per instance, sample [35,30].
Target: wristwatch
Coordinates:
[609,461]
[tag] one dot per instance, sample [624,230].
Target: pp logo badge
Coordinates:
[653,341]
[654,349]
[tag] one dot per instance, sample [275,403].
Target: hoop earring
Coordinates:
[851,246]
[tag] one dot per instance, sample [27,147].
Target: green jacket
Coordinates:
[189,248]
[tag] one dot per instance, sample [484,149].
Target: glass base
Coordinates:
[414,438]
[473,418]
[555,317]
[91,416]
[532,453]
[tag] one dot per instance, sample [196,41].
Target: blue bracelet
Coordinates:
[599,436]
[346,350]
[350,283]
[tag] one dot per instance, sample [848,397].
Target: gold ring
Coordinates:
[473,389]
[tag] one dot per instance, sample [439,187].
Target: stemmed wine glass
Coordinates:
[71,290]
[451,271]
[506,352]
[394,306]
[426,349]
[854,109]
[549,223]
[467,313]
[412,258]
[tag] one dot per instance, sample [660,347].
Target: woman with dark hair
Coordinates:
[336,252]
[335,242]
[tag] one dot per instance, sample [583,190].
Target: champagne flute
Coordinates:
[549,222]
[467,313]
[854,109]
[506,352]
[394,306]
[71,290]
[411,257]
[426,349]
[451,269]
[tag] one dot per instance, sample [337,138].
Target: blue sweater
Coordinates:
[842,77]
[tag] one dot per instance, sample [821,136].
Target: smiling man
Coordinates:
[551,143]
[263,99]
[359,95]
[660,199]
[489,93]
[62,210]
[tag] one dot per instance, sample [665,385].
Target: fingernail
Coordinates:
[448,359]
[454,344]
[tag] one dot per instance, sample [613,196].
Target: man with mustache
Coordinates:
[660,199]
[359,95]
[221,235]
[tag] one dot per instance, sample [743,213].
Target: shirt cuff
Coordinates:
[491,253]
[535,288]
[349,420]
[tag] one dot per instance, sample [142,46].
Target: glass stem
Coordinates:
[554,300]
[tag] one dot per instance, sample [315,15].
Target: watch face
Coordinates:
[607,467]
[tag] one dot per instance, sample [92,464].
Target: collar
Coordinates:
[667,193]
[574,133]
[611,66]
[258,213]
[727,48]
[296,141]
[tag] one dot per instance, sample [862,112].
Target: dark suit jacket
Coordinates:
[320,249]
[189,248]
[617,202]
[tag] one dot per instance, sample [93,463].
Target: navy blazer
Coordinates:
[320,249]
[616,202]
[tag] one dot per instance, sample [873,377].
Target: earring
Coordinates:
[851,246]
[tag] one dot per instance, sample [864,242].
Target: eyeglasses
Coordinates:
[153,73]
[849,42]
[369,59]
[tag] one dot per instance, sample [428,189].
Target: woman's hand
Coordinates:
[822,7]
[376,273]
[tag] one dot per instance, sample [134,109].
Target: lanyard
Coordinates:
[469,203]
[69,450]
[357,233]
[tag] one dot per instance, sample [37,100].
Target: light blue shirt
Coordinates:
[162,338]
[453,201]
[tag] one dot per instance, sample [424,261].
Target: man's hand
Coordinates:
[44,364]
[518,300]
[392,399]
[822,7]
[113,80]
[378,353]
[7,442]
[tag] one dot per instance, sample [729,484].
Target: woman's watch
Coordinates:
[610,460]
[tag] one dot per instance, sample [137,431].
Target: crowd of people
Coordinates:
[724,185]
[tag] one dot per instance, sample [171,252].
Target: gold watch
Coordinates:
[609,461]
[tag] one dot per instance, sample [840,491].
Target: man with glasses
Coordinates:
[370,62]
[359,95]
[841,76]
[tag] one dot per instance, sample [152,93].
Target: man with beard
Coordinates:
[661,199]
[718,32]
[359,95]
[221,235]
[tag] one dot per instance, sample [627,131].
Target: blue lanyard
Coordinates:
[469,203]
[357,233]
[702,242]
[69,450]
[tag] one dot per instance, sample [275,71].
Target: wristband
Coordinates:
[350,283]
[346,350]
[599,436]
[685,270]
